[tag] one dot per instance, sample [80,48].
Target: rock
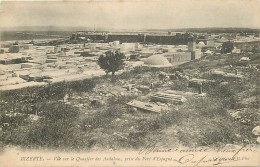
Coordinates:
[128,87]
[256,131]
[81,105]
[135,90]
[238,135]
[236,115]
[243,121]
[258,140]
[224,83]
[136,94]
[65,99]
[133,109]
[6,124]
[34,117]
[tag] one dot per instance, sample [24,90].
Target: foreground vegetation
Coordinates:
[67,118]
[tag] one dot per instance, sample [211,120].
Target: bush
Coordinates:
[112,61]
[227,47]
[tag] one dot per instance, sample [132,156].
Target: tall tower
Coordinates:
[191,44]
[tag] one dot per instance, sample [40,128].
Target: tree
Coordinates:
[227,47]
[111,61]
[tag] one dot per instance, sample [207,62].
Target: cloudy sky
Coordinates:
[139,14]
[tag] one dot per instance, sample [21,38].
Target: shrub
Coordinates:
[227,47]
[112,61]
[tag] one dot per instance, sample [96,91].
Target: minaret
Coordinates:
[191,44]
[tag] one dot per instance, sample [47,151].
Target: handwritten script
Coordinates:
[193,155]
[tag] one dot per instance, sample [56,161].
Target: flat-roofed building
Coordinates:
[248,46]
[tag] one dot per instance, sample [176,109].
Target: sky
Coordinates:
[132,15]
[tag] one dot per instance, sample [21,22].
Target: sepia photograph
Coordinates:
[129,83]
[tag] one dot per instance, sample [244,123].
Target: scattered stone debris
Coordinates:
[236,115]
[258,140]
[164,75]
[168,97]
[244,59]
[256,131]
[199,83]
[224,83]
[185,94]
[181,76]
[33,117]
[129,87]
[143,88]
[146,106]
[96,103]
[217,74]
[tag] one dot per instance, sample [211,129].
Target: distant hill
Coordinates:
[44,28]
[210,30]
[60,28]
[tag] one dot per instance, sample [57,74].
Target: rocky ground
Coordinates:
[99,119]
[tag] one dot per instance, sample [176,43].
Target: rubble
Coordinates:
[217,74]
[146,106]
[168,97]
[29,65]
[14,58]
[143,88]
[185,94]
[244,59]
[258,139]
[256,131]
